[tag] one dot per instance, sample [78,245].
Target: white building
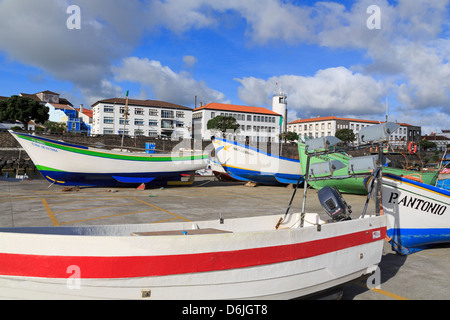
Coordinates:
[279,105]
[256,123]
[145,117]
[328,126]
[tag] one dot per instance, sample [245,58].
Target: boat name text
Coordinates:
[39,144]
[418,204]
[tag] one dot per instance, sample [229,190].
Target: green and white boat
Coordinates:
[355,185]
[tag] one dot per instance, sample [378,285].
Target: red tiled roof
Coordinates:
[236,108]
[87,112]
[345,119]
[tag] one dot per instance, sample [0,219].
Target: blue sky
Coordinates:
[322,54]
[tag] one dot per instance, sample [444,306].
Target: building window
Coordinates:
[108,109]
[122,120]
[249,117]
[139,111]
[152,122]
[166,114]
[153,112]
[108,131]
[138,122]
[213,114]
[108,120]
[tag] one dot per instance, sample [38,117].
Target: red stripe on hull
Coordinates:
[96,267]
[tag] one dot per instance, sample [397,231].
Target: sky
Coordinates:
[354,58]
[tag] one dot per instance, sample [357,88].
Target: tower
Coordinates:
[279,105]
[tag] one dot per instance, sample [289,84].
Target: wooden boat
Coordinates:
[355,185]
[75,165]
[247,163]
[244,258]
[418,214]
[218,171]
[267,257]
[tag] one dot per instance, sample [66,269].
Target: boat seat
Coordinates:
[180,232]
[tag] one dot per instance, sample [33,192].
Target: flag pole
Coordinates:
[125,122]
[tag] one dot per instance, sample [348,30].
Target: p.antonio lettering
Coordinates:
[418,204]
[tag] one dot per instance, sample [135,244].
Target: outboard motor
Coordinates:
[334,204]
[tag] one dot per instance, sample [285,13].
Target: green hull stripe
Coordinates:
[109,155]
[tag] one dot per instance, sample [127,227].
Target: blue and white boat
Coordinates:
[247,163]
[75,165]
[418,214]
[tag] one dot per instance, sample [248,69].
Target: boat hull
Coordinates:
[242,259]
[418,214]
[74,165]
[246,163]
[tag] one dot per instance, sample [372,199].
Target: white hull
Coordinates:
[418,214]
[247,259]
[68,164]
[247,163]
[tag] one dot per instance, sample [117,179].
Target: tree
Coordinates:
[54,127]
[346,135]
[426,144]
[23,109]
[289,136]
[223,123]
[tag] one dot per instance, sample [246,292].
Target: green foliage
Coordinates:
[54,127]
[346,135]
[288,136]
[22,109]
[426,144]
[223,123]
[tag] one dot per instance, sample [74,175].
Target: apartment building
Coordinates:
[150,118]
[328,126]
[256,123]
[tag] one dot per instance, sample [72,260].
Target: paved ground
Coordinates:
[423,275]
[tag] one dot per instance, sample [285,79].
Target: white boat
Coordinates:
[418,214]
[75,165]
[244,258]
[247,163]
[266,257]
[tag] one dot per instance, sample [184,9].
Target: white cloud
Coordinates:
[35,33]
[411,51]
[190,61]
[165,84]
[333,91]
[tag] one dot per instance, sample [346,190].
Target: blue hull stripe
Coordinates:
[99,179]
[261,177]
[419,238]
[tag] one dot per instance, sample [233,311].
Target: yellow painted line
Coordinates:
[110,216]
[50,213]
[389,294]
[151,205]
[383,292]
[92,208]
